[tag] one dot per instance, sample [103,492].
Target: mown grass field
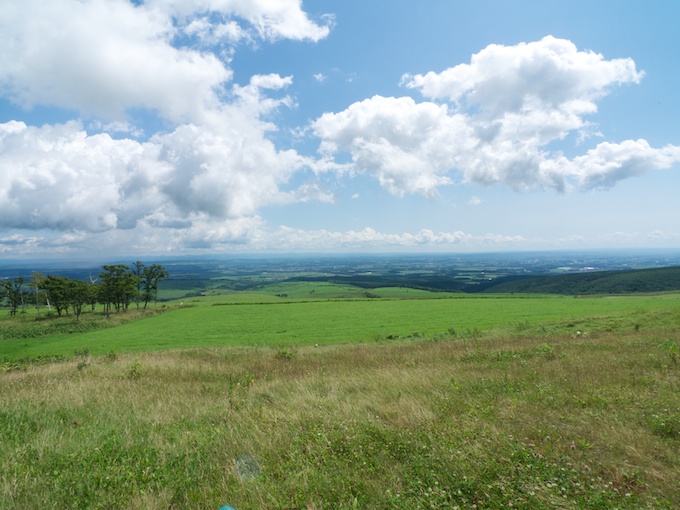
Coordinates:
[259,401]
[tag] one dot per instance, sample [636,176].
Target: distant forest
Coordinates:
[597,282]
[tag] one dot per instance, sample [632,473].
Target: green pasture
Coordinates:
[304,291]
[316,290]
[262,319]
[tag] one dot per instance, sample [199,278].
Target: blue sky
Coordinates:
[176,127]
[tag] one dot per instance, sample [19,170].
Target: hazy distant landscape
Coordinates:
[434,272]
[547,273]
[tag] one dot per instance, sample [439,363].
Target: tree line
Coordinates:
[116,287]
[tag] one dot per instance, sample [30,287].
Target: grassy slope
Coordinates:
[492,421]
[221,320]
[538,402]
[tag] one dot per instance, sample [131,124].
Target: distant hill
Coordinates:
[433,283]
[595,282]
[599,282]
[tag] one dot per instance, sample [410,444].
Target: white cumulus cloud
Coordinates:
[491,121]
[60,177]
[409,146]
[270,19]
[105,57]
[102,58]
[549,73]
[200,180]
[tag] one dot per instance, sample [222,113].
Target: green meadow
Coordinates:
[314,314]
[309,395]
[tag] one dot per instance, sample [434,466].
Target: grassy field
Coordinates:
[260,401]
[262,319]
[499,422]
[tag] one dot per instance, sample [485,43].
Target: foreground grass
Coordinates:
[485,422]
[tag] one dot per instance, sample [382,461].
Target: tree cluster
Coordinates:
[12,291]
[116,287]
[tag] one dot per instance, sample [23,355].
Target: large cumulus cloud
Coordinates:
[105,57]
[492,121]
[59,177]
[203,176]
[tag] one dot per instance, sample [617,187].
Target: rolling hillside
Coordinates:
[600,282]
[596,282]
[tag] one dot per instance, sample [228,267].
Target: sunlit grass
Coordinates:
[216,321]
[531,421]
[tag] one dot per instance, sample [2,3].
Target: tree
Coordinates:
[118,287]
[57,292]
[14,293]
[151,277]
[93,295]
[35,283]
[79,293]
[3,291]
[138,268]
